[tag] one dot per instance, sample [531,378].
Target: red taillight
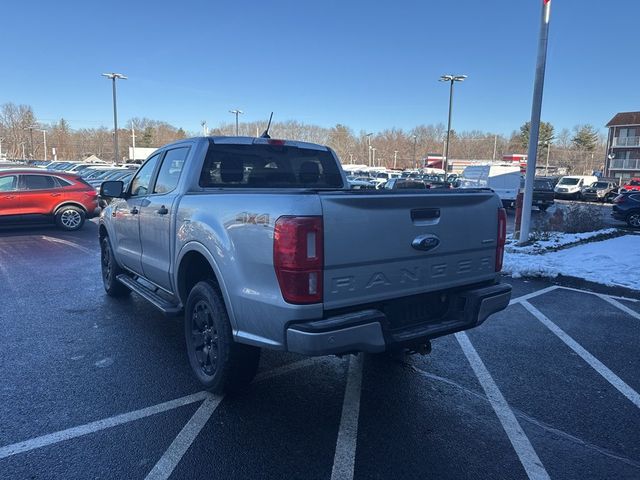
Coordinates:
[502,237]
[273,141]
[298,258]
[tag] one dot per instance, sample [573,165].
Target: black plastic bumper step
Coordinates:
[162,304]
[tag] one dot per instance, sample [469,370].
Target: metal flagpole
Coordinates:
[534,130]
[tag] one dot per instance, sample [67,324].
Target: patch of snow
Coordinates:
[555,240]
[613,262]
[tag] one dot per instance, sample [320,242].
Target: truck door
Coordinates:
[157,217]
[127,228]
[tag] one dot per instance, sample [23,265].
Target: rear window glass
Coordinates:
[269,166]
[542,185]
[634,183]
[38,182]
[600,185]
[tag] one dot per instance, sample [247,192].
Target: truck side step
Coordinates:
[162,304]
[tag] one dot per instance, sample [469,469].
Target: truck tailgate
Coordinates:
[368,237]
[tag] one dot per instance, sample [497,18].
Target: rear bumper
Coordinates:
[368,330]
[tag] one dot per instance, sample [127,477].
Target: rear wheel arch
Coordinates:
[69,204]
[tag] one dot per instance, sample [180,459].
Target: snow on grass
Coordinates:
[613,262]
[555,240]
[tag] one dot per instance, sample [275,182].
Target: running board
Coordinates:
[162,304]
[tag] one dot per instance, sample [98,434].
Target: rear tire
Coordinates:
[218,362]
[70,218]
[633,219]
[111,270]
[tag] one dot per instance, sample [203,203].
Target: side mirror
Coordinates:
[112,189]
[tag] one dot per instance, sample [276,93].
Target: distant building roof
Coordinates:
[625,118]
[93,159]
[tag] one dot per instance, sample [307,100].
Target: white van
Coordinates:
[502,179]
[571,186]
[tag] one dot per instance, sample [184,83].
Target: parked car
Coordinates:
[600,191]
[626,207]
[260,243]
[631,185]
[543,194]
[35,195]
[570,186]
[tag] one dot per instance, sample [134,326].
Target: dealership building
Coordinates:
[623,146]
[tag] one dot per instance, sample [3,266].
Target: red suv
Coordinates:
[36,195]
[631,185]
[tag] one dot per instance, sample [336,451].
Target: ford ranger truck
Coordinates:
[260,243]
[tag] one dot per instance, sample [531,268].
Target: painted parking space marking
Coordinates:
[620,306]
[170,459]
[345,455]
[103,424]
[98,425]
[596,364]
[537,293]
[66,242]
[521,444]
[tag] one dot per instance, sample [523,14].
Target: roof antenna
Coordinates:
[265,134]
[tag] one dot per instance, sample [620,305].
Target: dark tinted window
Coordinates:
[169,173]
[140,184]
[8,183]
[266,166]
[38,182]
[542,185]
[634,183]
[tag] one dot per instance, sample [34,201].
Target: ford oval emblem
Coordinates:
[425,242]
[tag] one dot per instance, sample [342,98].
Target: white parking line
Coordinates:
[170,459]
[620,306]
[66,242]
[520,442]
[345,455]
[596,364]
[599,294]
[98,425]
[542,291]
[69,433]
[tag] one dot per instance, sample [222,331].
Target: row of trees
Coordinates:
[580,149]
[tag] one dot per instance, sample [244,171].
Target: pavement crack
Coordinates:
[527,418]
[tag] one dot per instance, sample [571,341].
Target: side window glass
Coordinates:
[38,182]
[170,170]
[140,183]
[8,183]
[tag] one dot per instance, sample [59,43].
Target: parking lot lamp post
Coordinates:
[373,156]
[23,155]
[546,168]
[236,112]
[368,135]
[1,140]
[451,79]
[113,77]
[415,143]
[44,140]
[395,158]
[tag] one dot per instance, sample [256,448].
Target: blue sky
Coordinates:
[369,65]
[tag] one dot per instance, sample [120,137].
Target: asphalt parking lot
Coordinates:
[94,387]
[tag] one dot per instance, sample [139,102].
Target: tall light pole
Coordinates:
[451,79]
[44,140]
[368,135]
[415,143]
[1,140]
[534,131]
[113,77]
[23,155]
[236,112]
[203,124]
[546,168]
[395,158]
[373,158]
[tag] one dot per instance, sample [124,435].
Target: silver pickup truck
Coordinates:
[260,243]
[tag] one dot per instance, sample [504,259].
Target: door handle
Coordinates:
[55,194]
[134,211]
[163,210]
[9,197]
